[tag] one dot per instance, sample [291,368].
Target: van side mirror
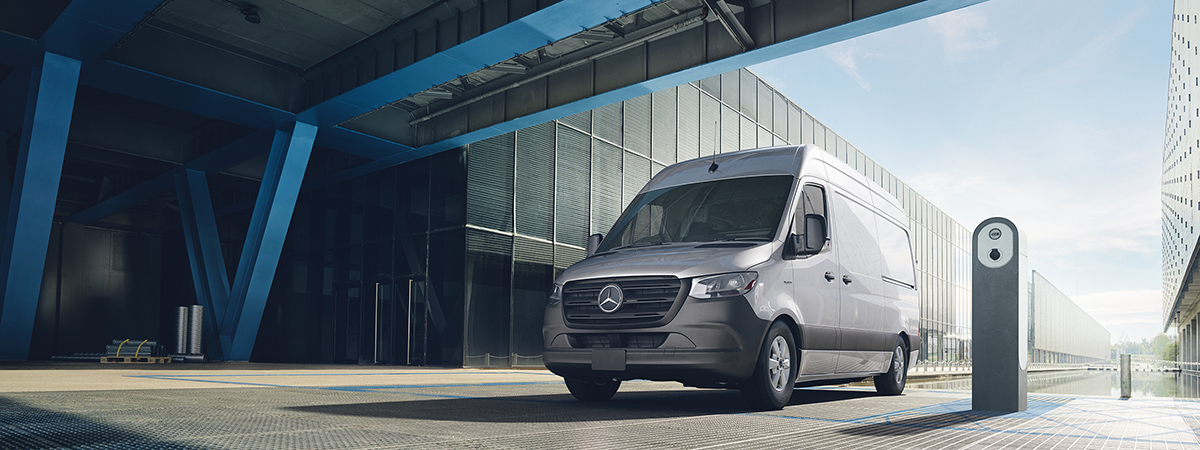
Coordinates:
[813,239]
[594,243]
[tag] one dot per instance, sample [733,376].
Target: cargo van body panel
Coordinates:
[707,260]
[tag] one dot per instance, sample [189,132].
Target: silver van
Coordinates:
[757,270]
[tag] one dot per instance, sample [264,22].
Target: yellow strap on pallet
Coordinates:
[119,348]
[139,349]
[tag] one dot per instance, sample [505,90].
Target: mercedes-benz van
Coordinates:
[757,270]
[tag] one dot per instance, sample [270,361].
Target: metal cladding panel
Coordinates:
[532,251]
[749,134]
[794,117]
[779,124]
[606,123]
[712,85]
[731,90]
[490,182]
[606,185]
[748,93]
[535,191]
[573,189]
[570,85]
[688,121]
[766,113]
[564,256]
[637,125]
[664,128]
[479,241]
[765,139]
[581,121]
[635,175]
[523,100]
[731,126]
[807,124]
[710,124]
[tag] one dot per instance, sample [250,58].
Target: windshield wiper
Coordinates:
[758,239]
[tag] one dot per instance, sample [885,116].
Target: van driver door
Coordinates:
[816,290]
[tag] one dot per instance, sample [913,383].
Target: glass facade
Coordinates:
[1181,182]
[448,260]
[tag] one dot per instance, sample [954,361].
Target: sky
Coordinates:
[1049,113]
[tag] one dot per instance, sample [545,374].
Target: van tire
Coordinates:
[892,382]
[592,390]
[775,371]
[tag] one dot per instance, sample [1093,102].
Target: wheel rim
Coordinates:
[898,364]
[779,363]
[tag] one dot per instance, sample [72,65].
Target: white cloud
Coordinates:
[963,32]
[843,54]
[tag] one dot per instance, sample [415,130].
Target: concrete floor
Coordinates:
[242,405]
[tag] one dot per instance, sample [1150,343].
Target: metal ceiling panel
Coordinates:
[535,30]
[298,33]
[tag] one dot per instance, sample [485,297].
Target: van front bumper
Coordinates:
[711,342]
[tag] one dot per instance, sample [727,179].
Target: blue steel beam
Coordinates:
[528,33]
[35,191]
[899,16]
[264,240]
[359,144]
[209,276]
[154,88]
[238,151]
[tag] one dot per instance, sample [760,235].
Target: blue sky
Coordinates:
[1049,113]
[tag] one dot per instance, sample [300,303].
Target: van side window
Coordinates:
[812,201]
[897,253]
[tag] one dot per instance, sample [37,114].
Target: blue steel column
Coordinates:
[264,241]
[209,276]
[35,191]
[5,186]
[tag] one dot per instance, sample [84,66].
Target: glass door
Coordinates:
[394,319]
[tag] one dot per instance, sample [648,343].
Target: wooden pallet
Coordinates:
[136,359]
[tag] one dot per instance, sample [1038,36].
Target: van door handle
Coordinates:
[846,279]
[829,276]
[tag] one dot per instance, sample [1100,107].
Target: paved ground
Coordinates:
[218,406]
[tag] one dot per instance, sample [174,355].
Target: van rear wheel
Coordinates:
[592,390]
[775,373]
[892,382]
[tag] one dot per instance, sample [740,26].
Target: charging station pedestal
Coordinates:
[999,317]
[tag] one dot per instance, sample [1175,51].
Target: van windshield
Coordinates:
[733,209]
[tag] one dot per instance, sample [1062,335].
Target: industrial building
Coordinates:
[382,182]
[1060,332]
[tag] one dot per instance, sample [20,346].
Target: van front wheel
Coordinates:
[592,391]
[892,382]
[775,373]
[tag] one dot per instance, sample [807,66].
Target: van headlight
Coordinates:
[555,295]
[727,285]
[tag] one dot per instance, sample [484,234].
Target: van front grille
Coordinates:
[648,302]
[617,340]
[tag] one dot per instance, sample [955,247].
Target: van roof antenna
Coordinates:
[716,145]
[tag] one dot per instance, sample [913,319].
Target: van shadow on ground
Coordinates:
[559,408]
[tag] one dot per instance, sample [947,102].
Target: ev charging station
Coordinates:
[1000,317]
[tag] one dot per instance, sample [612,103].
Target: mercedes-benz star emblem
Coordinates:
[610,298]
